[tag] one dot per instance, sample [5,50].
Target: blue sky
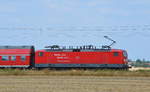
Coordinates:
[81,19]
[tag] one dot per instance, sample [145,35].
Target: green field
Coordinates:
[73,84]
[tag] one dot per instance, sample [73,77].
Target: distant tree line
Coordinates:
[140,63]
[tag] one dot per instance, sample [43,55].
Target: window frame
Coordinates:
[115,54]
[23,59]
[13,59]
[2,59]
[40,54]
[125,54]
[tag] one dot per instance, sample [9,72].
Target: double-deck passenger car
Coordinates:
[16,56]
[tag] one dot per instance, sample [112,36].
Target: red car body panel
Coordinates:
[15,57]
[86,57]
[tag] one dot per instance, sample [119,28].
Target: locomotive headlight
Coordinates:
[126,61]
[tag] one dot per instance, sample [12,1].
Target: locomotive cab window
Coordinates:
[5,58]
[23,58]
[116,54]
[125,54]
[40,53]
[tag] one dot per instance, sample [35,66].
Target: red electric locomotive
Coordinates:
[81,57]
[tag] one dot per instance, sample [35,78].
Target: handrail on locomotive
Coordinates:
[84,46]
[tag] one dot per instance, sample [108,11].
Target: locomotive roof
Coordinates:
[16,47]
[79,50]
[97,50]
[85,48]
[75,50]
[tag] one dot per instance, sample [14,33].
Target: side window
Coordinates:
[116,54]
[13,58]
[5,58]
[40,53]
[23,58]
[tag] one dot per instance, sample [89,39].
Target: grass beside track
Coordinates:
[76,72]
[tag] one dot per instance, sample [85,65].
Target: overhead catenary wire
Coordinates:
[84,28]
[122,30]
